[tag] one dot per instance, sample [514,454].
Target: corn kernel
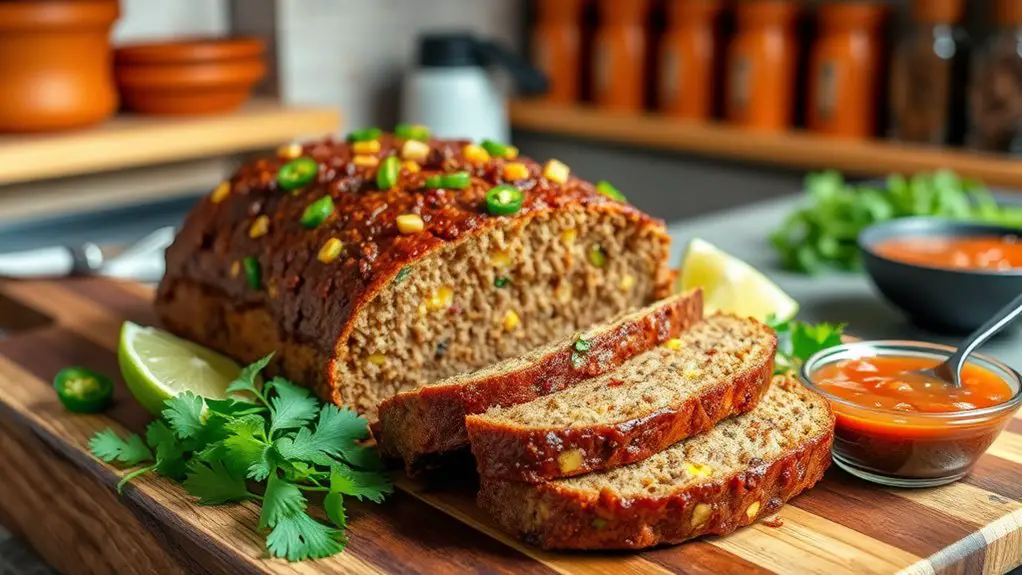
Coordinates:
[511,152]
[570,461]
[475,154]
[412,167]
[366,161]
[367,147]
[423,309]
[414,150]
[290,151]
[410,223]
[441,299]
[259,227]
[627,283]
[752,510]
[568,236]
[221,192]
[330,251]
[563,292]
[700,514]
[698,470]
[556,172]
[377,359]
[673,344]
[235,269]
[515,171]
[500,259]
[511,320]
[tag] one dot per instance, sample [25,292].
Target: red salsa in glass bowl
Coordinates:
[901,429]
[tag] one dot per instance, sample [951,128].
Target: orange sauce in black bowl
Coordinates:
[989,253]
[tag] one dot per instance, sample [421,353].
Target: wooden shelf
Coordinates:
[130,140]
[798,150]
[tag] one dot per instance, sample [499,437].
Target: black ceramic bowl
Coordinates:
[939,299]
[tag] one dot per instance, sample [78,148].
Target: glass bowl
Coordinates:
[911,449]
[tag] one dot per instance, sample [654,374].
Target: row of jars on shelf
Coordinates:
[754,73]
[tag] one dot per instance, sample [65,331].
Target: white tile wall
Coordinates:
[352,53]
[158,19]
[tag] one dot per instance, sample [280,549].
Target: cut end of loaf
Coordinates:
[498,295]
[742,469]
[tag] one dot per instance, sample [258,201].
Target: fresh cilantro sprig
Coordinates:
[798,341]
[276,433]
[823,232]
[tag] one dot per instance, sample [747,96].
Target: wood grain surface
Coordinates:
[62,500]
[795,149]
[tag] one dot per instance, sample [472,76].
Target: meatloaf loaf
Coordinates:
[718,368]
[744,468]
[400,262]
[423,425]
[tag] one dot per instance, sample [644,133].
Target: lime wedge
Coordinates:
[157,366]
[731,285]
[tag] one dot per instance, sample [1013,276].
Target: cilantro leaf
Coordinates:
[800,340]
[170,452]
[291,407]
[184,414]
[245,382]
[246,447]
[232,407]
[282,499]
[110,447]
[333,504]
[298,537]
[214,484]
[361,485]
[335,435]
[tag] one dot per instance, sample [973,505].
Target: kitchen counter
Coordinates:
[837,297]
[834,296]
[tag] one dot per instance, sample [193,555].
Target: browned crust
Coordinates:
[419,424]
[572,519]
[517,453]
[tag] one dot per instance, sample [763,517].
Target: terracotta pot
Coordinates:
[55,68]
[189,77]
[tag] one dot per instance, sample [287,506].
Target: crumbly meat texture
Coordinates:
[396,310]
[718,368]
[420,425]
[743,469]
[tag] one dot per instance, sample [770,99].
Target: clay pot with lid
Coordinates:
[189,76]
[55,64]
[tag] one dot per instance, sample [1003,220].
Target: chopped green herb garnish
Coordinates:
[317,212]
[501,282]
[284,436]
[580,348]
[402,274]
[582,345]
[798,341]
[597,256]
[253,272]
[364,135]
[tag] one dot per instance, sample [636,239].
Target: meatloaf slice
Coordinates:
[718,368]
[422,424]
[365,283]
[742,469]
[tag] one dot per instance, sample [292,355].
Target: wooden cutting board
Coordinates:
[62,500]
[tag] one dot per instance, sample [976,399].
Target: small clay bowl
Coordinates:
[206,76]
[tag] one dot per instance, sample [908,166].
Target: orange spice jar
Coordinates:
[688,53]
[619,55]
[761,65]
[557,47]
[845,70]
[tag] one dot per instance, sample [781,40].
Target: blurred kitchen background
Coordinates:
[687,106]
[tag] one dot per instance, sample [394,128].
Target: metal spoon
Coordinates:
[950,372]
